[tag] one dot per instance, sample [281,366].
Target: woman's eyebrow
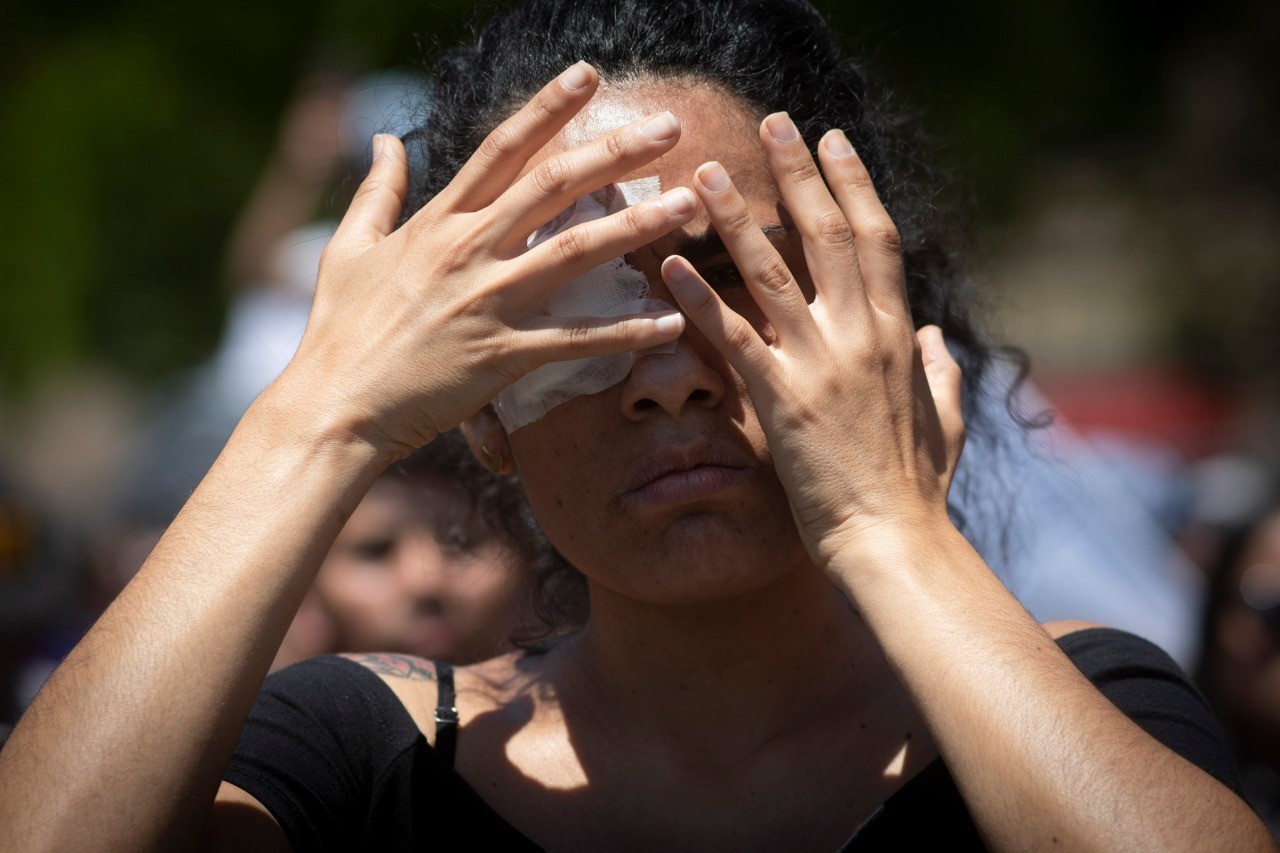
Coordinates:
[709,245]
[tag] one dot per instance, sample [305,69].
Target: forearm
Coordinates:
[1040,756]
[124,747]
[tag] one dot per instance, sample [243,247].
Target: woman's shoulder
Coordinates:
[1144,682]
[1107,656]
[476,688]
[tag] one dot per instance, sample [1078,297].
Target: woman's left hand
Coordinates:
[862,413]
[863,419]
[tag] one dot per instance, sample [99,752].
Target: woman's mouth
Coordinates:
[692,484]
[684,474]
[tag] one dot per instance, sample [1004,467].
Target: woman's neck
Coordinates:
[717,681]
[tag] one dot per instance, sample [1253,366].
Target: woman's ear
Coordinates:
[488,441]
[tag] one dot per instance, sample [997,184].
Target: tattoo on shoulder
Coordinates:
[396,666]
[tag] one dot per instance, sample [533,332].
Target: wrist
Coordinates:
[285,415]
[893,552]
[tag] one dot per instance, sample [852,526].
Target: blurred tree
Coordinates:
[131,132]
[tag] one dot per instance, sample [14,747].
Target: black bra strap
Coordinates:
[446,714]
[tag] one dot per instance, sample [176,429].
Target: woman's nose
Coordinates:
[671,383]
[423,566]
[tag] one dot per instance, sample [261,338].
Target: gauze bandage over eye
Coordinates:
[610,290]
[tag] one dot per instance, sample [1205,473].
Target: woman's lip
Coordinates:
[692,484]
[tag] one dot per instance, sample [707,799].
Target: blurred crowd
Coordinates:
[417,568]
[1146,516]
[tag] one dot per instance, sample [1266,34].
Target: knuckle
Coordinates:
[577,336]
[371,186]
[859,181]
[833,230]
[545,106]
[874,358]
[455,259]
[571,247]
[884,234]
[802,170]
[739,336]
[739,221]
[773,276]
[633,218]
[499,144]
[551,177]
[616,147]
[330,256]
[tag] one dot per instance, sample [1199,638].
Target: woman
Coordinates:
[726,501]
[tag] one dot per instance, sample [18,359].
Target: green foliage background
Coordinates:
[132,131]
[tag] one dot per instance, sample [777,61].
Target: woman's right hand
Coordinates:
[414,329]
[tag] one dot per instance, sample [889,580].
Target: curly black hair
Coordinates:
[768,55]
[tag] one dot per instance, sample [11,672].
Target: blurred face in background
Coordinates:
[1248,641]
[415,570]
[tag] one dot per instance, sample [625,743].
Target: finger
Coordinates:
[727,331]
[829,247]
[584,247]
[876,238]
[549,339]
[559,181]
[504,152]
[944,377]
[378,200]
[767,277]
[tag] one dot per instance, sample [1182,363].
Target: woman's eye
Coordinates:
[724,277]
[373,550]
[462,539]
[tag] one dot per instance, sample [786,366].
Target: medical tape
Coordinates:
[612,289]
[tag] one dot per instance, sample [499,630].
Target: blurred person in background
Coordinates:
[270,266]
[426,565]
[45,596]
[417,569]
[1240,664]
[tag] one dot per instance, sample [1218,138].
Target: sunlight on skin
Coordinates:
[533,752]
[895,767]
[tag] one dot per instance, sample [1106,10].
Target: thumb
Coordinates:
[379,199]
[943,375]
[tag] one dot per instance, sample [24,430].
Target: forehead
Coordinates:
[713,126]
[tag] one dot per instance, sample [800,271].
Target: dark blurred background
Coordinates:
[1122,157]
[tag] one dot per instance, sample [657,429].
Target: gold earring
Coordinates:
[492,461]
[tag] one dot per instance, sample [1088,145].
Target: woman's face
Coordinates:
[661,488]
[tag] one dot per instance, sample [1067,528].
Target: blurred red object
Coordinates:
[1160,403]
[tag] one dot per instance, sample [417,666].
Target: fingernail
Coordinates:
[670,324]
[576,77]
[378,145]
[714,177]
[676,270]
[661,127]
[781,127]
[678,202]
[838,144]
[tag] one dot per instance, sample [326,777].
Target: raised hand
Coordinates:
[414,329]
[862,413]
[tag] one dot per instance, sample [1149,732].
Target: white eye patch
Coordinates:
[610,290]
